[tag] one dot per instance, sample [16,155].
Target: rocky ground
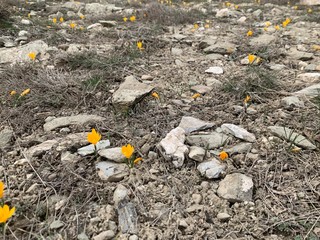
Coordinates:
[188,93]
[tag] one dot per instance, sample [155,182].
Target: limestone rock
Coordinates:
[310,2]
[20,54]
[56,224]
[41,148]
[173,146]
[71,120]
[211,169]
[5,136]
[176,51]
[299,55]
[108,24]
[113,154]
[112,172]
[120,194]
[236,187]
[127,217]
[208,41]
[223,13]
[73,5]
[291,136]
[105,235]
[96,9]
[214,83]
[292,101]
[238,132]
[309,77]
[191,124]
[197,153]
[221,48]
[239,148]
[202,89]
[129,93]
[208,141]
[311,91]
[223,217]
[87,150]
[262,40]
[73,140]
[215,70]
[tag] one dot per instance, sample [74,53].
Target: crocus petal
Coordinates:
[1,189]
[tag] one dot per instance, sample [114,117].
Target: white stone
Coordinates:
[120,194]
[71,120]
[215,70]
[238,132]
[236,187]
[222,13]
[173,145]
[211,169]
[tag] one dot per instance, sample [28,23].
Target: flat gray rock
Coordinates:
[291,136]
[292,101]
[238,132]
[129,93]
[87,150]
[299,55]
[191,124]
[113,154]
[105,235]
[211,169]
[236,187]
[239,148]
[202,89]
[41,148]
[221,48]
[71,120]
[112,172]
[5,136]
[127,217]
[208,141]
[56,224]
[73,140]
[197,153]
[311,91]
[262,40]
[309,77]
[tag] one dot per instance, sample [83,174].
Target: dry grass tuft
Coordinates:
[165,15]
